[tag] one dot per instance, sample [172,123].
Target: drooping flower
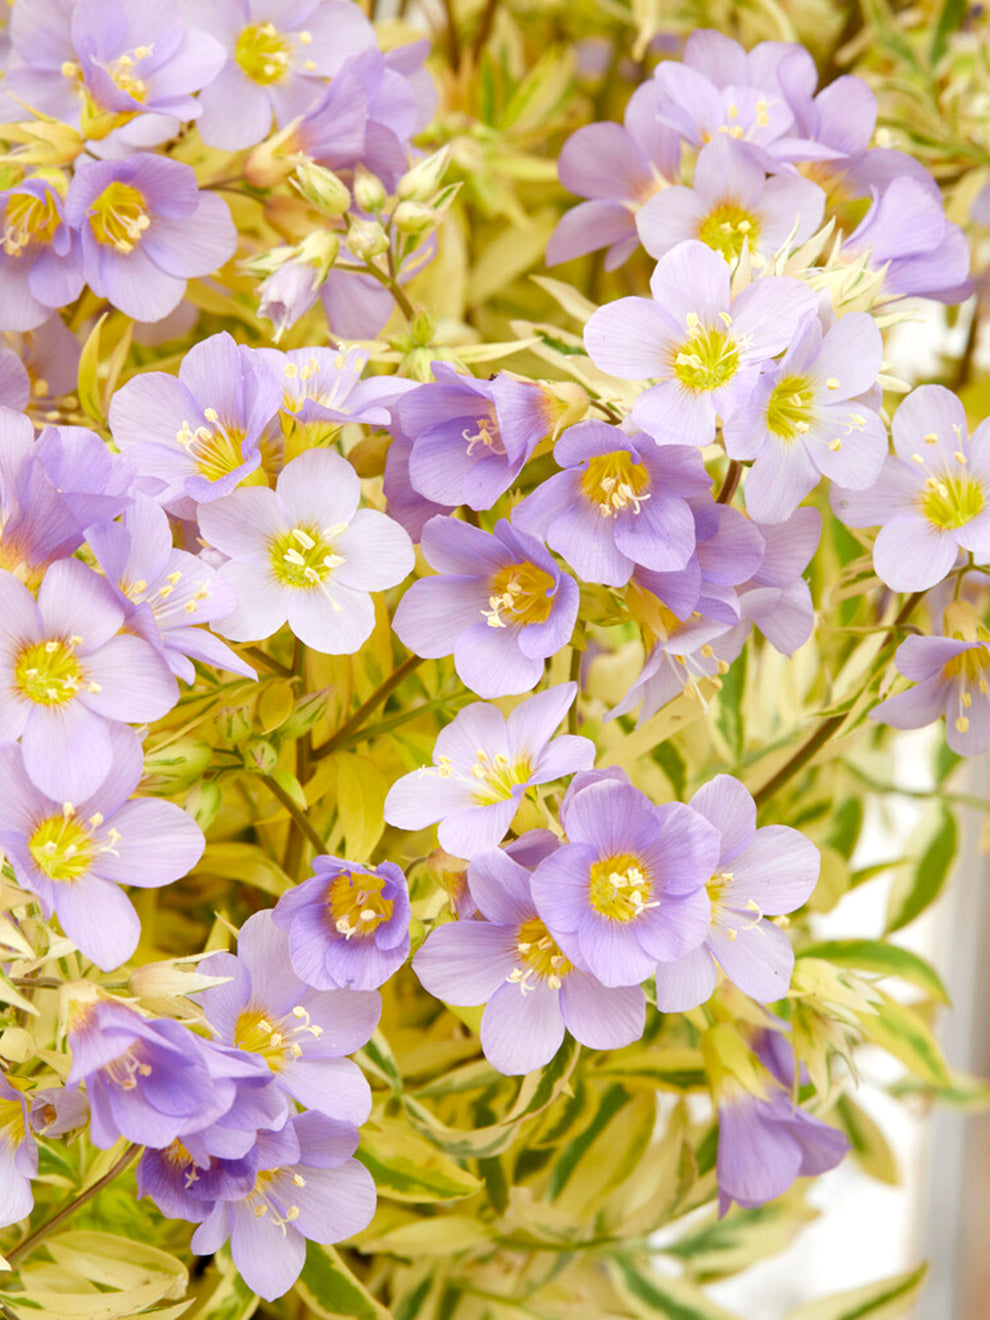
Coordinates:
[499,604]
[405,504]
[146,229]
[306,1186]
[301,1033]
[18,1156]
[703,347]
[951,675]
[325,385]
[68,675]
[759,873]
[618,503]
[932,497]
[55,1110]
[304,552]
[776,598]
[279,57]
[197,436]
[483,765]
[41,265]
[347,926]
[627,890]
[75,856]
[511,963]
[732,202]
[617,167]
[813,414]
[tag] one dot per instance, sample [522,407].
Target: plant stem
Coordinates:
[731,483]
[380,695]
[276,790]
[484,27]
[40,1233]
[266,661]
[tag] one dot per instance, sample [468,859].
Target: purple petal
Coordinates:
[686,982]
[521,1032]
[465,962]
[601,1017]
[759,960]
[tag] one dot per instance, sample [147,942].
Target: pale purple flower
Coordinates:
[146,229]
[197,437]
[908,238]
[325,385]
[471,438]
[347,926]
[483,765]
[304,552]
[289,292]
[68,675]
[165,593]
[306,1187]
[75,856]
[812,414]
[951,676]
[18,1156]
[301,1033]
[759,873]
[41,263]
[55,1110]
[499,604]
[932,496]
[511,963]
[279,55]
[620,502]
[627,890]
[617,167]
[405,504]
[776,598]
[704,348]
[732,202]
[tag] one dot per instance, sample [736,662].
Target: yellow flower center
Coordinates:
[520,594]
[12,1129]
[486,434]
[496,775]
[727,227]
[356,905]
[29,220]
[620,888]
[119,217]
[304,556]
[790,407]
[614,482]
[62,847]
[951,502]
[263,53]
[707,359]
[275,1040]
[215,447]
[269,1185]
[540,956]
[48,673]
[124,73]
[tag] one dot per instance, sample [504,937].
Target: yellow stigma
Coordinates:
[303,556]
[727,227]
[263,53]
[355,904]
[519,594]
[951,502]
[540,957]
[614,482]
[29,220]
[119,217]
[496,776]
[62,848]
[48,673]
[791,407]
[620,888]
[706,360]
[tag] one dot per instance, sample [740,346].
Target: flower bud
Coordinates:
[260,755]
[422,181]
[171,977]
[267,263]
[369,191]
[414,218]
[321,187]
[177,765]
[203,802]
[366,239]
[309,710]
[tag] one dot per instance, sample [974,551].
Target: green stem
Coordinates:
[276,790]
[380,695]
[29,1243]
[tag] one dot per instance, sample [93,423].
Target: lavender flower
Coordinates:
[302,1034]
[55,1110]
[198,436]
[410,509]
[324,385]
[18,1156]
[731,202]
[759,872]
[628,888]
[951,675]
[776,597]
[347,926]
[146,229]
[482,766]
[932,496]
[499,604]
[306,1186]
[67,677]
[704,348]
[813,414]
[618,167]
[306,553]
[75,857]
[41,262]
[511,963]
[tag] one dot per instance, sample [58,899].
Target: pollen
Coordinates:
[540,957]
[620,888]
[707,360]
[48,673]
[518,595]
[356,905]
[615,483]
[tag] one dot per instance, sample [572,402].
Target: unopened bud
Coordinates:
[414,218]
[366,239]
[423,180]
[177,765]
[369,191]
[203,801]
[233,723]
[309,710]
[321,187]
[422,328]
[165,980]
[267,263]
[260,755]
